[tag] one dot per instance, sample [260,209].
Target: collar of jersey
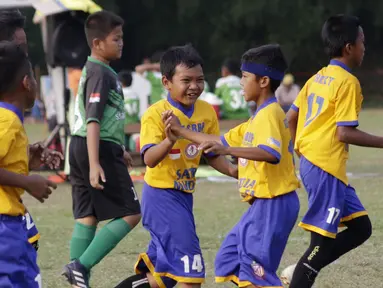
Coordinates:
[14,109]
[265,104]
[187,111]
[340,64]
[91,59]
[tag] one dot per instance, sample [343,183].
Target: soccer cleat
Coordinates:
[76,274]
[287,274]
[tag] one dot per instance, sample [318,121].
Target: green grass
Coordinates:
[217,208]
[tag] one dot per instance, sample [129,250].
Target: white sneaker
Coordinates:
[287,274]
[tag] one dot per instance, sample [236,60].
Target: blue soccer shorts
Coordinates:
[174,254]
[18,258]
[331,202]
[252,251]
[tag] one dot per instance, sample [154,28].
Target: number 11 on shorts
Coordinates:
[196,266]
[333,215]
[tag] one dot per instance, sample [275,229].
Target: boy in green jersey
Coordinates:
[101,186]
[228,88]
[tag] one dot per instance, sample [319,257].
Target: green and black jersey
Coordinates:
[100,99]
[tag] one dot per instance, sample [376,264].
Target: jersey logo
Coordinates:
[273,142]
[243,162]
[120,116]
[175,154]
[258,269]
[94,98]
[191,151]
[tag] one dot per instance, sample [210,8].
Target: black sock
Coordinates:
[357,232]
[135,281]
[324,250]
[312,261]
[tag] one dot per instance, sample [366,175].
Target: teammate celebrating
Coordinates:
[252,251]
[101,186]
[323,121]
[174,254]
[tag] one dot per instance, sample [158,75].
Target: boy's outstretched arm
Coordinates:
[221,164]
[174,124]
[250,153]
[354,136]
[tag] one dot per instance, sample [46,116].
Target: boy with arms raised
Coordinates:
[174,254]
[251,253]
[151,71]
[101,186]
[18,258]
[323,121]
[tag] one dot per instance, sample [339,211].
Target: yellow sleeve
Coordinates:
[8,136]
[269,138]
[235,136]
[152,130]
[348,103]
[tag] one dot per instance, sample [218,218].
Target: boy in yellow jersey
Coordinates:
[251,253]
[323,121]
[18,266]
[12,29]
[174,254]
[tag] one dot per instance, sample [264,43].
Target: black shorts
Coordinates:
[117,199]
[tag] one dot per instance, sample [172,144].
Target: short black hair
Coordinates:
[179,55]
[269,55]
[125,78]
[337,32]
[100,25]
[10,21]
[14,65]
[232,65]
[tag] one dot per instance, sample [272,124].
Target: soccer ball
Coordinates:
[287,274]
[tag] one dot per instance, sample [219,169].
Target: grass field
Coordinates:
[217,208]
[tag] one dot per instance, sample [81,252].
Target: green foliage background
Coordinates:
[226,28]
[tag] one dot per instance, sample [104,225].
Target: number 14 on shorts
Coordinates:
[196,265]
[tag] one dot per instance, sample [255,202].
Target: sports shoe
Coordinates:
[76,274]
[287,274]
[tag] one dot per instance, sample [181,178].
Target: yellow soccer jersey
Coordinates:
[13,157]
[178,169]
[267,130]
[331,98]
